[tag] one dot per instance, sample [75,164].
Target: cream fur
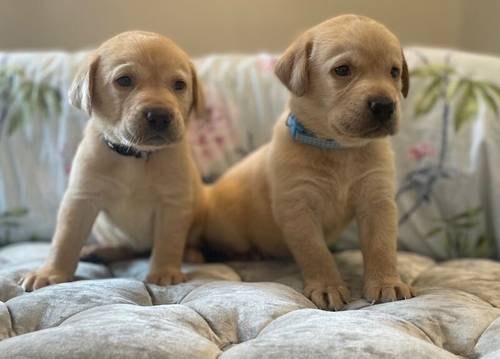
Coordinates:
[138,203]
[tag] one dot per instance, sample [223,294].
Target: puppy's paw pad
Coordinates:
[327,296]
[388,292]
[166,277]
[42,278]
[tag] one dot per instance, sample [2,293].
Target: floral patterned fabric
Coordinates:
[447,151]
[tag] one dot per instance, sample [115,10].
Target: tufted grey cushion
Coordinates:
[246,310]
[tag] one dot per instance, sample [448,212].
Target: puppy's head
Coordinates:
[139,88]
[346,76]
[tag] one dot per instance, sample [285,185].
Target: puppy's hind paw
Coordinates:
[326,296]
[193,255]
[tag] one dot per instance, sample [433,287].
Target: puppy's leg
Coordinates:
[377,220]
[304,236]
[170,235]
[74,222]
[193,252]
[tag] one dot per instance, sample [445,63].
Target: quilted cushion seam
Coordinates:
[410,324]
[221,347]
[466,292]
[11,332]
[150,293]
[425,270]
[484,331]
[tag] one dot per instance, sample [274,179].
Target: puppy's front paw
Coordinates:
[165,276]
[327,295]
[43,277]
[387,291]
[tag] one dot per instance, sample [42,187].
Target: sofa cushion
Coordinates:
[246,310]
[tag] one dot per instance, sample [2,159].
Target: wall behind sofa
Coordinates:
[204,26]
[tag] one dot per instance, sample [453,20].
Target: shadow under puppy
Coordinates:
[329,161]
[133,170]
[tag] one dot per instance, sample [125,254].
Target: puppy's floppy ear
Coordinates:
[292,67]
[198,99]
[82,88]
[405,77]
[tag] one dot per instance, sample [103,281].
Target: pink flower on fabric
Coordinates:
[420,151]
[67,168]
[216,135]
[201,140]
[267,63]
[219,140]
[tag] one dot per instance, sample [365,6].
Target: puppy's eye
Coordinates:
[179,85]
[395,72]
[342,70]
[124,81]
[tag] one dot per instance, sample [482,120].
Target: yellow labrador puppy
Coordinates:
[133,170]
[329,161]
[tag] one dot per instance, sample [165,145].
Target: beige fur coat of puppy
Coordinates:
[133,179]
[291,198]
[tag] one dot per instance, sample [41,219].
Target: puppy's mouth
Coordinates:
[152,143]
[381,130]
[156,140]
[377,131]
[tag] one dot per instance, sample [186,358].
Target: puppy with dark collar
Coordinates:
[329,161]
[133,179]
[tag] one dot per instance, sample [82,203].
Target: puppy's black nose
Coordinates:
[158,118]
[382,108]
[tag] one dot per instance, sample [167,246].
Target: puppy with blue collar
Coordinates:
[133,181]
[329,162]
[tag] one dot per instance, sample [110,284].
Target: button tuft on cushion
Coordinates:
[49,306]
[452,319]
[120,331]
[238,311]
[319,334]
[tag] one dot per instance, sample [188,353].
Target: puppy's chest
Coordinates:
[336,199]
[133,204]
[331,194]
[137,195]
[138,183]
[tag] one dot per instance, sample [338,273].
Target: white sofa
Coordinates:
[449,202]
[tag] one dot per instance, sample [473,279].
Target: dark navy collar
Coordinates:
[128,151]
[300,134]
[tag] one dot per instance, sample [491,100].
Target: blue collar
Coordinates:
[300,134]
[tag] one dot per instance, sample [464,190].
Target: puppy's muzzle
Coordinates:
[382,108]
[158,119]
